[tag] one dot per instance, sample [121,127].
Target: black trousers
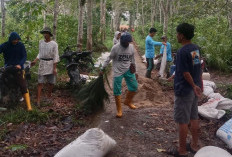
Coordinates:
[16,77]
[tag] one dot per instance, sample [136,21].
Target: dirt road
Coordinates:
[140,132]
[150,129]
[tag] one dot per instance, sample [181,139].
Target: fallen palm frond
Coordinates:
[93,95]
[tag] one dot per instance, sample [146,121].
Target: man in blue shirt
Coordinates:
[187,87]
[150,51]
[15,54]
[169,54]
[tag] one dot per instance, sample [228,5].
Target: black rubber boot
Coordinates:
[148,74]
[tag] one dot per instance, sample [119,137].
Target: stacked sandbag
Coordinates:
[214,108]
[93,143]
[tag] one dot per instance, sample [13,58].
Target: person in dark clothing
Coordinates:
[14,54]
[187,87]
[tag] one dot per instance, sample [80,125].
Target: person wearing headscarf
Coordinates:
[117,36]
[14,54]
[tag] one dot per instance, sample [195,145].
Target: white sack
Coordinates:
[163,62]
[206,76]
[210,113]
[225,133]
[211,103]
[208,90]
[216,96]
[209,83]
[225,104]
[211,151]
[93,143]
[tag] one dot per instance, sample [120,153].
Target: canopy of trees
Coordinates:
[92,22]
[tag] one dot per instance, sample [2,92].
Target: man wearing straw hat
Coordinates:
[48,57]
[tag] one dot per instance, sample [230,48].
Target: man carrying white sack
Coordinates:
[122,55]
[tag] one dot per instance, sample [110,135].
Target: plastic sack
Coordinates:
[144,59]
[206,76]
[211,151]
[209,83]
[216,96]
[93,143]
[156,61]
[102,59]
[211,103]
[208,90]
[210,113]
[225,104]
[163,62]
[225,133]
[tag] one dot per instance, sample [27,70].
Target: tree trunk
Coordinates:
[131,20]
[117,20]
[143,17]
[160,11]
[56,11]
[153,12]
[81,5]
[3,17]
[230,20]
[103,19]
[89,44]
[45,15]
[137,13]
[165,11]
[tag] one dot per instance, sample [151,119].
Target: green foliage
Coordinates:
[92,96]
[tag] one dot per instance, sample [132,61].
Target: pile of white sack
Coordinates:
[216,105]
[101,59]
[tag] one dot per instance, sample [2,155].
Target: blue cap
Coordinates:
[126,37]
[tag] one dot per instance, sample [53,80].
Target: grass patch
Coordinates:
[19,115]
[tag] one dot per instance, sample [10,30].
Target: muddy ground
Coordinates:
[144,132]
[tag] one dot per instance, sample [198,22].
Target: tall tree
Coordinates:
[81,5]
[103,19]
[143,16]
[89,25]
[160,11]
[56,11]
[153,12]
[165,8]
[45,14]
[3,17]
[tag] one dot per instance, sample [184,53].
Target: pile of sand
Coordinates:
[149,93]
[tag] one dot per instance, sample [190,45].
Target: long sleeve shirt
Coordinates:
[169,51]
[122,59]
[150,47]
[47,50]
[13,54]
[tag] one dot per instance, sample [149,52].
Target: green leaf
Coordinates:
[16,147]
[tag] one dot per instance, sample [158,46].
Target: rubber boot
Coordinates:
[148,74]
[128,100]
[119,106]
[28,101]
